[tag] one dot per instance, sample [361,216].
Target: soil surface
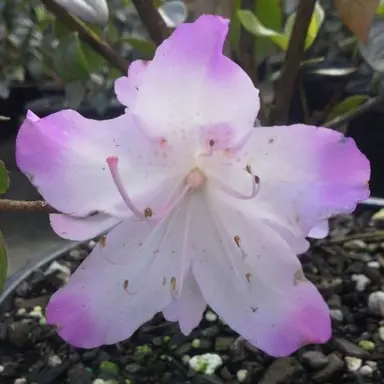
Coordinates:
[347,268]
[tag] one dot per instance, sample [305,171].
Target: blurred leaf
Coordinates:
[95,62]
[158,3]
[74,94]
[4,90]
[91,11]
[347,105]
[357,15]
[235,28]
[69,60]
[380,9]
[4,118]
[252,24]
[3,262]
[147,48]
[61,30]
[43,17]
[269,13]
[4,178]
[314,26]
[373,50]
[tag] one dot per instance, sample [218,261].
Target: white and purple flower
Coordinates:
[204,208]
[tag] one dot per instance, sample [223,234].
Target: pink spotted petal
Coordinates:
[124,282]
[307,175]
[255,283]
[189,309]
[64,156]
[191,84]
[126,87]
[73,228]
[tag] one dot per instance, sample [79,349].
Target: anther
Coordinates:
[248,276]
[148,213]
[236,239]
[125,285]
[173,283]
[211,143]
[248,169]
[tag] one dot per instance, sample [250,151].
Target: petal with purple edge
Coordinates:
[320,231]
[64,155]
[128,278]
[190,83]
[188,310]
[307,174]
[256,284]
[74,228]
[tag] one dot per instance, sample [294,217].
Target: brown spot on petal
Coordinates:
[103,241]
[297,219]
[257,179]
[271,140]
[211,142]
[254,309]
[299,277]
[248,276]
[148,213]
[125,285]
[173,283]
[236,239]
[164,280]
[248,168]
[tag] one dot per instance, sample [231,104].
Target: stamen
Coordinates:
[112,162]
[238,195]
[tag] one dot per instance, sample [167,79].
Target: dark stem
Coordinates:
[87,36]
[37,206]
[291,65]
[152,20]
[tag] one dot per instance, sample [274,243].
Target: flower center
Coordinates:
[196,178]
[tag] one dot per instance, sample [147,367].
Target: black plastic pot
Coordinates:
[23,273]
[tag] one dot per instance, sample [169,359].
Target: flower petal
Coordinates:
[64,155]
[252,279]
[126,279]
[188,310]
[320,231]
[190,83]
[126,87]
[307,174]
[74,228]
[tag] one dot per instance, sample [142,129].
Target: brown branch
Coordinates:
[292,61]
[340,121]
[87,36]
[152,20]
[37,206]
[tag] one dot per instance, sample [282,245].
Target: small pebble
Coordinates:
[196,343]
[366,370]
[37,312]
[381,333]
[2,369]
[21,311]
[315,359]
[54,360]
[371,364]
[91,244]
[75,254]
[241,375]
[353,363]
[211,316]
[98,381]
[20,380]
[367,345]
[356,245]
[185,359]
[376,303]
[373,264]
[207,363]
[336,314]
[362,282]
[57,267]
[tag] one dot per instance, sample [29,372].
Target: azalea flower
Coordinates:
[205,207]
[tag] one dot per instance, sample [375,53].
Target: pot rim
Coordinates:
[25,271]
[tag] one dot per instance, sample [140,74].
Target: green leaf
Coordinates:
[235,28]
[347,105]
[147,48]
[3,262]
[253,25]
[380,8]
[94,61]
[270,15]
[4,178]
[61,30]
[69,60]
[314,26]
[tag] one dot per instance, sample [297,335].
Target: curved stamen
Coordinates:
[113,162]
[236,194]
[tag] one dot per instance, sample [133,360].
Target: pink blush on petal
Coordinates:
[67,311]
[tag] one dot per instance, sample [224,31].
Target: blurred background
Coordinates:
[45,66]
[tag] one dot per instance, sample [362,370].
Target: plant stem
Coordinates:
[37,206]
[152,20]
[292,61]
[87,36]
